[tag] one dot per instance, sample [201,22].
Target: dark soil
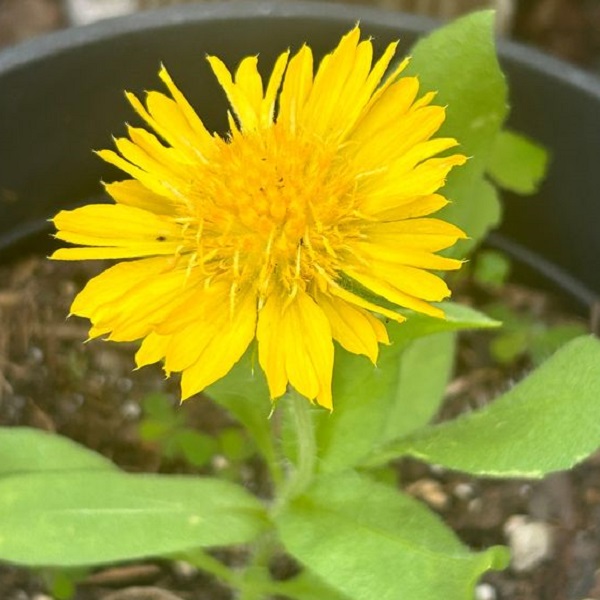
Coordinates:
[49,379]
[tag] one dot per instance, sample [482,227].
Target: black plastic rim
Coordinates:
[61,95]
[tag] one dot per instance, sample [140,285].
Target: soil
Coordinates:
[49,379]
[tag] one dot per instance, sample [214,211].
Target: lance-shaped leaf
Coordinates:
[401,394]
[24,450]
[75,518]
[516,163]
[370,541]
[548,422]
[466,74]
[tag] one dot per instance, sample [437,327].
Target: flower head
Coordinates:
[324,184]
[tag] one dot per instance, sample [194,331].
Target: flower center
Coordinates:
[273,209]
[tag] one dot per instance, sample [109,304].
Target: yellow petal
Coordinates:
[113,283]
[131,298]
[418,206]
[133,193]
[296,89]
[111,253]
[424,179]
[245,111]
[158,185]
[141,310]
[136,232]
[424,234]
[268,103]
[393,146]
[348,296]
[294,344]
[158,162]
[152,349]
[194,323]
[202,139]
[354,328]
[220,352]
[392,99]
[387,257]
[249,82]
[398,294]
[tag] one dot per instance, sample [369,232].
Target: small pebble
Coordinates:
[437,469]
[431,492]
[530,542]
[184,570]
[124,384]
[131,409]
[36,355]
[219,462]
[109,361]
[142,593]
[475,505]
[485,591]
[464,491]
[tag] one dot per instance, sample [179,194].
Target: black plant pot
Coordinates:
[62,95]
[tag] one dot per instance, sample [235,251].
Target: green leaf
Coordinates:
[548,422]
[370,541]
[389,400]
[492,268]
[307,586]
[486,215]
[197,448]
[425,369]
[25,450]
[459,60]
[546,342]
[234,445]
[458,317]
[244,393]
[158,407]
[92,518]
[517,163]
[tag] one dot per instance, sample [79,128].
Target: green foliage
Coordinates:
[368,541]
[24,450]
[517,163]
[524,334]
[491,270]
[244,393]
[84,518]
[165,425]
[62,583]
[547,422]
[400,394]
[307,586]
[466,74]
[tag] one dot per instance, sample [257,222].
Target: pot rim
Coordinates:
[71,38]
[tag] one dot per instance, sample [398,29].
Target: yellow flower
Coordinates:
[324,182]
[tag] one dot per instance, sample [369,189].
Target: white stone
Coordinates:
[83,12]
[485,591]
[531,542]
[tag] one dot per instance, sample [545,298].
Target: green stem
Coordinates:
[205,562]
[300,478]
[254,582]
